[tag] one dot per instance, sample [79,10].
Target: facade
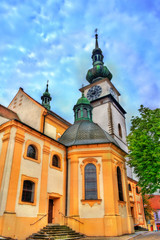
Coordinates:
[55,172]
[154,223]
[136,203]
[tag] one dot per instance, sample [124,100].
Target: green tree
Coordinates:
[144,149]
[148,210]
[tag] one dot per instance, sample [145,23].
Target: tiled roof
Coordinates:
[155,202]
[7,113]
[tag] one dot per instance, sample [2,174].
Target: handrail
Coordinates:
[70,217]
[40,218]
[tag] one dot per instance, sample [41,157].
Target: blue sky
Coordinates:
[53,40]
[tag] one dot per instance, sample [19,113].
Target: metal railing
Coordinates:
[40,218]
[70,217]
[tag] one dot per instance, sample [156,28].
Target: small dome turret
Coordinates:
[46,98]
[82,109]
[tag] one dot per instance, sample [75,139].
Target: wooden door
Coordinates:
[50,211]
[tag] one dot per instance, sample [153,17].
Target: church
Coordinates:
[55,172]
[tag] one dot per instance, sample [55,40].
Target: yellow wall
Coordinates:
[15,214]
[106,216]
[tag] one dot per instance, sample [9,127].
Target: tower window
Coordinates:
[31,152]
[79,113]
[28,191]
[85,115]
[90,182]
[56,161]
[119,130]
[120,190]
[129,187]
[95,58]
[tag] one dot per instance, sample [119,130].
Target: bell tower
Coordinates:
[104,98]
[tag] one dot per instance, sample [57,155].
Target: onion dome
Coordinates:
[98,70]
[85,132]
[46,98]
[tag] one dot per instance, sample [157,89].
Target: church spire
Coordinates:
[97,55]
[96,37]
[99,70]
[46,98]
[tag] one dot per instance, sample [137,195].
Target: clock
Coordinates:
[94,92]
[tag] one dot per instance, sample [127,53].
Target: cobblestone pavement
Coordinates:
[149,236]
[137,235]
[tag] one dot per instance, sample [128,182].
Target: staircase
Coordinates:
[56,232]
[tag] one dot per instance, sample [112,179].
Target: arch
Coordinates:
[55,161]
[32,151]
[90,182]
[119,130]
[28,191]
[119,180]
[129,187]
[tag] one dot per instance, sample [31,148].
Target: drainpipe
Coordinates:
[66,204]
[44,114]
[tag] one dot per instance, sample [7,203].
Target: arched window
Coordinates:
[137,191]
[90,182]
[79,113]
[119,130]
[28,191]
[56,161]
[129,187]
[120,190]
[85,115]
[31,152]
[95,58]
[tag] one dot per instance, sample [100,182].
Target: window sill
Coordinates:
[27,203]
[32,159]
[122,202]
[91,202]
[56,168]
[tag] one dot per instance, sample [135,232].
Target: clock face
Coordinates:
[94,92]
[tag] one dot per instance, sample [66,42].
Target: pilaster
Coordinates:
[15,170]
[5,141]
[43,204]
[74,186]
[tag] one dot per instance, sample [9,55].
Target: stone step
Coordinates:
[55,232]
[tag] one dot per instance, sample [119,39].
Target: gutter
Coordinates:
[66,203]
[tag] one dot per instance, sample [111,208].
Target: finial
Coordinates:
[96,37]
[47,86]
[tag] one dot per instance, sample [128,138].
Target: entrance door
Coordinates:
[50,211]
[151,227]
[158,226]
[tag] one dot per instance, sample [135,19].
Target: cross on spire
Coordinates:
[96,37]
